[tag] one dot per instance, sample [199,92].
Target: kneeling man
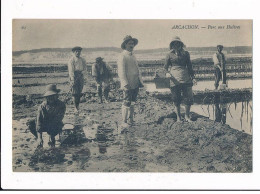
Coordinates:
[50,115]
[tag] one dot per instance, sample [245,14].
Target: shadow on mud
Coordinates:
[194,117]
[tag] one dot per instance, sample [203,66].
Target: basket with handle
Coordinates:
[160,79]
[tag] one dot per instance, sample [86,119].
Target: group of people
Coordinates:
[100,71]
[178,68]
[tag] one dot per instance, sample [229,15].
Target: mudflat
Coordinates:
[91,140]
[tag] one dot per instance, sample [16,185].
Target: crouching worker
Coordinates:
[130,78]
[103,76]
[50,115]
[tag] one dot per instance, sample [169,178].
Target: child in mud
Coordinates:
[76,66]
[179,69]
[130,78]
[103,76]
[50,115]
[220,66]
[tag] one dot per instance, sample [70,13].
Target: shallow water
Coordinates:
[203,85]
[237,115]
[40,80]
[38,89]
[79,151]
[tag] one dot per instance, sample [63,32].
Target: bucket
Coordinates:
[162,82]
[160,79]
[223,87]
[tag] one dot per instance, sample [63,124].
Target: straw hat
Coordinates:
[51,90]
[127,39]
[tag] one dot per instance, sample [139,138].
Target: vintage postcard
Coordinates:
[129,95]
[114,95]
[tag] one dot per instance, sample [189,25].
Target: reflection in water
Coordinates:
[220,113]
[102,148]
[102,141]
[238,115]
[225,108]
[130,148]
[104,136]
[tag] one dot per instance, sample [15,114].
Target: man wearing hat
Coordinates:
[103,76]
[179,68]
[220,66]
[130,78]
[76,66]
[50,115]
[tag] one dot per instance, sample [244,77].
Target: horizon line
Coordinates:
[122,49]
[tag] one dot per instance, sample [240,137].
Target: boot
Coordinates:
[51,142]
[131,114]
[125,113]
[100,94]
[106,92]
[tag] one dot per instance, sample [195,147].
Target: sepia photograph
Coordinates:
[132,95]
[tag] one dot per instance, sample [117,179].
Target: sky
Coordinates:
[51,33]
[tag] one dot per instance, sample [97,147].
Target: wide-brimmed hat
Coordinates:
[127,39]
[98,59]
[76,48]
[175,39]
[51,90]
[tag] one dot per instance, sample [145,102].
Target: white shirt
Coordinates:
[128,70]
[76,64]
[219,59]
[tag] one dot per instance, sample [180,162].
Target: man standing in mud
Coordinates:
[103,76]
[76,66]
[220,66]
[130,78]
[50,115]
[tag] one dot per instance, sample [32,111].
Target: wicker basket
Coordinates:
[160,80]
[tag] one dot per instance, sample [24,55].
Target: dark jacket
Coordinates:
[101,71]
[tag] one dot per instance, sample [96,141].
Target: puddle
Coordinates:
[74,146]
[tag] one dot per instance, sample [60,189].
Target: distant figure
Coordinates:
[18,81]
[103,76]
[76,66]
[50,115]
[180,71]
[220,66]
[130,78]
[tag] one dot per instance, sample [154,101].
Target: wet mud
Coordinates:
[91,140]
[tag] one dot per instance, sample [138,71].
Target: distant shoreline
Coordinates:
[234,49]
[64,62]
